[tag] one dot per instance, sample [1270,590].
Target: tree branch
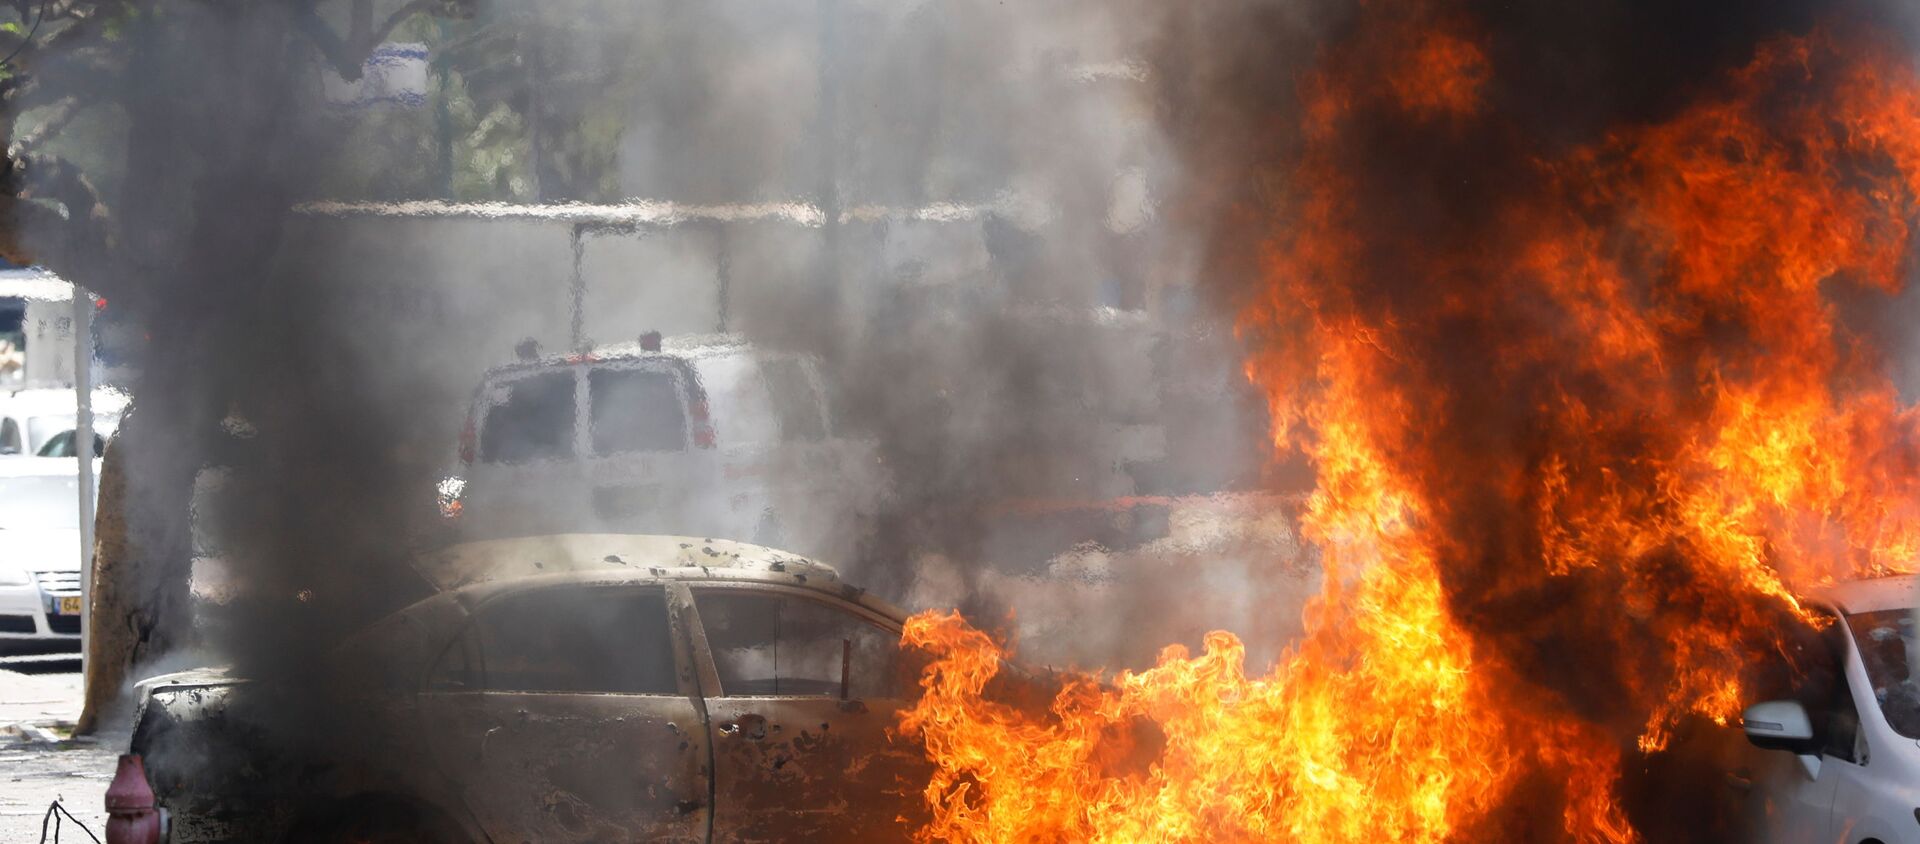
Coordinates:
[87,29]
[87,81]
[399,16]
[81,244]
[63,113]
[331,46]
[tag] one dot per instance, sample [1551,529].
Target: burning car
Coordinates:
[565,688]
[1851,761]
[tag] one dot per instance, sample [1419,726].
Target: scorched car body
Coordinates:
[568,688]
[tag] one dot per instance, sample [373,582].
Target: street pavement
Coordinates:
[39,761]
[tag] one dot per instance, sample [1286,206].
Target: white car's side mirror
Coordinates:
[1779,725]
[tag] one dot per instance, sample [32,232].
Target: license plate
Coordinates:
[69,605]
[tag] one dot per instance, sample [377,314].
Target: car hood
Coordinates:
[212,675]
[41,549]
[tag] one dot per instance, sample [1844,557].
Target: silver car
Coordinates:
[575,688]
[39,556]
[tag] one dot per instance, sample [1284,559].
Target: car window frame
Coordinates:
[1838,635]
[708,671]
[459,639]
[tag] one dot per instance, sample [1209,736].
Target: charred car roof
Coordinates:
[467,574]
[480,569]
[1892,592]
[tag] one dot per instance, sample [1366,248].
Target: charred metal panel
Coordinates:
[576,767]
[813,769]
[804,767]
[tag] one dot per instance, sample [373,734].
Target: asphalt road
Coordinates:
[39,762]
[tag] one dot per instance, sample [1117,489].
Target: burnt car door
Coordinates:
[808,690]
[568,713]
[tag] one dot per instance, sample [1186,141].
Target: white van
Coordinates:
[1840,762]
[704,436]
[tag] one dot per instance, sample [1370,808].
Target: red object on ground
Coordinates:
[132,817]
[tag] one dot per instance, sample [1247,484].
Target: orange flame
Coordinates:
[1616,421]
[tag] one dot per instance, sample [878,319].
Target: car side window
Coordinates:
[1815,664]
[9,436]
[767,644]
[532,419]
[594,640]
[60,446]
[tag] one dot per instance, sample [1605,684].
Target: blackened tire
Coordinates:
[374,821]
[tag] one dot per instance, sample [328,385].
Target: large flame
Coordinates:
[1579,440]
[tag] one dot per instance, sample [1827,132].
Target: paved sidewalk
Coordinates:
[39,763]
[46,699]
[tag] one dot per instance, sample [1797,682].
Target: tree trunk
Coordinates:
[206,195]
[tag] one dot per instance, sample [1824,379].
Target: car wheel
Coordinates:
[360,822]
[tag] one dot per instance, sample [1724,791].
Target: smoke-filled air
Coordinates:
[960,421]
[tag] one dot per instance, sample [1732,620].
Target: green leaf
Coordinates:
[13,28]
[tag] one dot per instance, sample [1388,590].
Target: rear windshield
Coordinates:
[531,419]
[636,409]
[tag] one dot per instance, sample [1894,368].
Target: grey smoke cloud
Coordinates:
[972,213]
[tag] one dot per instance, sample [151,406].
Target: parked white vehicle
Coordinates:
[33,421]
[698,436]
[39,555]
[1846,760]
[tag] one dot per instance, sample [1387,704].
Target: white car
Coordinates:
[701,436]
[32,422]
[39,555]
[1844,765]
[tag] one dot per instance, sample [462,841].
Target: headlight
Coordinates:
[14,576]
